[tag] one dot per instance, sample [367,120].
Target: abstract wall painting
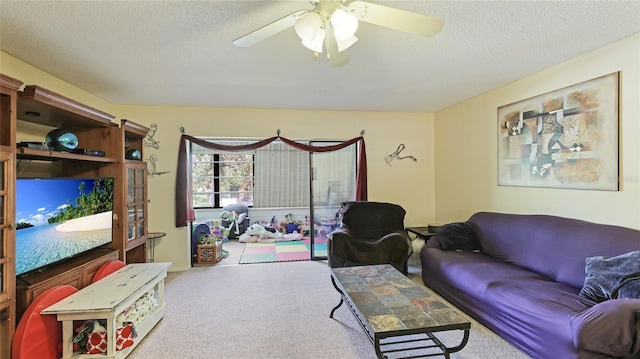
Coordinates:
[566,138]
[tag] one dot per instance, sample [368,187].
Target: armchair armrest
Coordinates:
[343,249]
[401,236]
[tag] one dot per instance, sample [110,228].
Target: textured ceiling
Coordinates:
[180,52]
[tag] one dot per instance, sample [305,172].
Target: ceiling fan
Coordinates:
[331,26]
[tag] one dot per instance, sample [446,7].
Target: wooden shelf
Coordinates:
[32,113]
[134,129]
[45,155]
[55,110]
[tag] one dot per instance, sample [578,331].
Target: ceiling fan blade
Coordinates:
[396,19]
[269,30]
[336,58]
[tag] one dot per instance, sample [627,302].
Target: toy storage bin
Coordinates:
[209,254]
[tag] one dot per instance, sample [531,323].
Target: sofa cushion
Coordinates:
[612,277]
[553,246]
[458,236]
[618,318]
[521,306]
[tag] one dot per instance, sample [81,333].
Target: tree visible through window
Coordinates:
[220,179]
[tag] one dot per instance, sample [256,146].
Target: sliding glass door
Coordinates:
[333,181]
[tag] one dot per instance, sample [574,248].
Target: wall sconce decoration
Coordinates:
[396,156]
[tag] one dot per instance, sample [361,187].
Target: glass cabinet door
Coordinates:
[7,249]
[136,201]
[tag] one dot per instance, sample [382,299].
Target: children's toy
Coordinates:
[233,219]
[257,233]
[260,232]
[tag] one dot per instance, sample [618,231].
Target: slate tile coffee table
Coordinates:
[399,316]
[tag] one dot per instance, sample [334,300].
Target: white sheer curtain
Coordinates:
[281,177]
[334,177]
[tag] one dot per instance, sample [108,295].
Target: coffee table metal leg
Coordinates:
[333,281]
[461,345]
[379,354]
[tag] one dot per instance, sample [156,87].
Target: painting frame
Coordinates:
[566,138]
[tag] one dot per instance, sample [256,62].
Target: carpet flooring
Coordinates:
[275,311]
[286,251]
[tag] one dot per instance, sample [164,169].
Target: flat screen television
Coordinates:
[59,218]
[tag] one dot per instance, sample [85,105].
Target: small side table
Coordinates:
[152,236]
[421,232]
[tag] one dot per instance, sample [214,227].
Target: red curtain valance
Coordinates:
[184,203]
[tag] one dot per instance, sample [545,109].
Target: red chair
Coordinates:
[39,336]
[107,269]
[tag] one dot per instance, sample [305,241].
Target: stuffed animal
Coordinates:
[258,231]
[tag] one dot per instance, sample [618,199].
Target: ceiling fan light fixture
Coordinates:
[344,24]
[307,25]
[315,44]
[345,44]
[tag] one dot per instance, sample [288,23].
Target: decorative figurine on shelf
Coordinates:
[61,140]
[133,154]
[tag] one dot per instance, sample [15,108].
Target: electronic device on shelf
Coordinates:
[86,151]
[34,145]
[59,218]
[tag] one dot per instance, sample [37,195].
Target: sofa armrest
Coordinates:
[609,328]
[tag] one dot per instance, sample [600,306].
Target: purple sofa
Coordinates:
[525,282]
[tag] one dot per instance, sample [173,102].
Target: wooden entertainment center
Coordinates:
[28,113]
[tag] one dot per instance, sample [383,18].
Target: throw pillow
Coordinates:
[458,236]
[124,336]
[96,343]
[612,278]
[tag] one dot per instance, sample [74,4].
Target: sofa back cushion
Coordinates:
[555,247]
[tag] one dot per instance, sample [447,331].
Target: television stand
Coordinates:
[77,272]
[106,299]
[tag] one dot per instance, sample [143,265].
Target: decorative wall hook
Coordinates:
[396,156]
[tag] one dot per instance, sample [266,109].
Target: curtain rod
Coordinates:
[277,131]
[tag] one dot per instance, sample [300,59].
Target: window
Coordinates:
[276,175]
[221,178]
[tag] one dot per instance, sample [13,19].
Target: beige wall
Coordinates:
[466,147]
[408,183]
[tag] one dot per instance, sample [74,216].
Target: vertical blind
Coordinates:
[184,206]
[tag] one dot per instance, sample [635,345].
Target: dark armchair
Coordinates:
[371,233]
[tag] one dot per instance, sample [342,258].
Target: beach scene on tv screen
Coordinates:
[60,218]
